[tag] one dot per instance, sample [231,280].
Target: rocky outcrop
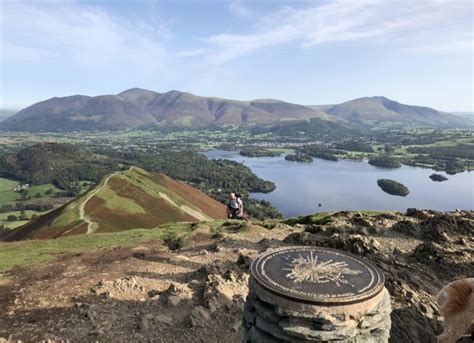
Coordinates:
[197,293]
[267,318]
[419,253]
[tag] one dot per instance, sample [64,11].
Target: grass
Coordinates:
[6,193]
[33,252]
[15,224]
[115,201]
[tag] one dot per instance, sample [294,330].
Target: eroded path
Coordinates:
[82,215]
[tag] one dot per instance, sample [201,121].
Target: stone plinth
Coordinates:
[300,294]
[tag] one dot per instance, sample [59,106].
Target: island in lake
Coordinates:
[298,158]
[438,177]
[393,187]
[385,161]
[258,152]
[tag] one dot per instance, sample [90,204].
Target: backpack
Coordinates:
[234,204]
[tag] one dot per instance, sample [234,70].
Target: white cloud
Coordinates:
[78,34]
[407,23]
[238,9]
[191,52]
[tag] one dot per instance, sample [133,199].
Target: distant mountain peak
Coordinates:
[137,107]
[376,109]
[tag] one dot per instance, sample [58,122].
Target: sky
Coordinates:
[418,52]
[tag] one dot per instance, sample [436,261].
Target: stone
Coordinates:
[237,325]
[200,316]
[273,329]
[256,335]
[161,318]
[176,293]
[144,323]
[280,307]
[266,311]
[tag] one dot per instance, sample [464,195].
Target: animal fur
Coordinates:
[456,304]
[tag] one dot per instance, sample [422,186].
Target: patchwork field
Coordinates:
[124,200]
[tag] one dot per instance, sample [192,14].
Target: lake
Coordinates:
[351,185]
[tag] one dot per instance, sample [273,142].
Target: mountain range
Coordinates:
[137,108]
[124,200]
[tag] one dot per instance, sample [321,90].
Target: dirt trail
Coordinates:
[82,215]
[193,213]
[196,293]
[137,294]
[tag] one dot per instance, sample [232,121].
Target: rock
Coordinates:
[283,227]
[144,324]
[177,293]
[266,311]
[200,316]
[244,261]
[357,244]
[237,325]
[164,319]
[428,252]
[225,290]
[397,251]
[411,211]
[407,227]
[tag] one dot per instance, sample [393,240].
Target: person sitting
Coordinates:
[235,207]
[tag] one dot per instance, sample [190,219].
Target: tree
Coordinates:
[12,218]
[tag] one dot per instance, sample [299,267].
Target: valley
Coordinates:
[236,171]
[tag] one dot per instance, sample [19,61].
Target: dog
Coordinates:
[456,304]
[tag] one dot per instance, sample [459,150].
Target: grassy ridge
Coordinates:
[122,201]
[32,252]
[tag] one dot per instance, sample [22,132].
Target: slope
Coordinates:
[137,107]
[377,109]
[129,286]
[122,201]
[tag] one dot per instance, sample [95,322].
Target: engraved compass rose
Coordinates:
[309,269]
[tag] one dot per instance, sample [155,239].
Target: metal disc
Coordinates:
[317,275]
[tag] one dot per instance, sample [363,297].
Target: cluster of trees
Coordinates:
[354,145]
[21,207]
[446,152]
[59,164]
[452,159]
[385,161]
[314,128]
[258,152]
[438,177]
[393,187]
[298,157]
[320,151]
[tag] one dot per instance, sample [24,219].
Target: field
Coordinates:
[37,195]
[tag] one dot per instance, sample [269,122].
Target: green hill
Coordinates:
[379,110]
[122,201]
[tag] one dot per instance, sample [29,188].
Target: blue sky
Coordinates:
[309,52]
